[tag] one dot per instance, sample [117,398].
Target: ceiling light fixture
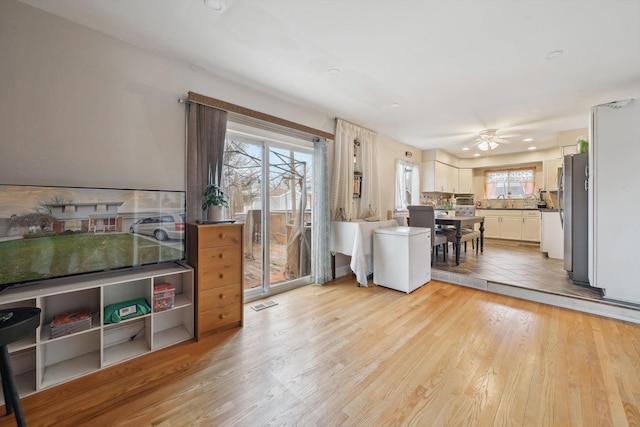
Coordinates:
[531,148]
[489,140]
[216,5]
[476,155]
[394,105]
[465,149]
[334,71]
[527,140]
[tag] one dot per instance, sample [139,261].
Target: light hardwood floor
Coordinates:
[342,355]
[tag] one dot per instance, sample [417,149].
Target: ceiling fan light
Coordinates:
[493,144]
[484,146]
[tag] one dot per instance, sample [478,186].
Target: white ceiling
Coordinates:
[454,67]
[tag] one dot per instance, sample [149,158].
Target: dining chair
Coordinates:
[468,234]
[425,216]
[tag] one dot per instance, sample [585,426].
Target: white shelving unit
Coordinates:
[40,361]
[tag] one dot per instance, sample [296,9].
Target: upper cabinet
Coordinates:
[465,181]
[551,174]
[438,176]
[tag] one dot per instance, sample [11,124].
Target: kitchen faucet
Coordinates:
[504,200]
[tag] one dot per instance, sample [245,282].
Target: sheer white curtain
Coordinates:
[343,167]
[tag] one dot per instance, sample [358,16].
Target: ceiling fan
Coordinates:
[488,140]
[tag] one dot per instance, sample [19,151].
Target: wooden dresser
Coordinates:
[215,252]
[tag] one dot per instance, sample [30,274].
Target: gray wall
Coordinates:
[78,108]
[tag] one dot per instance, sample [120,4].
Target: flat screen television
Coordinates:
[53,232]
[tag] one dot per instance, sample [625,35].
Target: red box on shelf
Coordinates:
[163,296]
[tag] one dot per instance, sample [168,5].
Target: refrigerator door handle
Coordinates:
[560,189]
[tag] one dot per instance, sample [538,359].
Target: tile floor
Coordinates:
[515,263]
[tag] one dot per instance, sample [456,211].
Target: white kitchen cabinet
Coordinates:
[551,235]
[491,226]
[511,224]
[531,226]
[41,361]
[465,181]
[551,174]
[439,177]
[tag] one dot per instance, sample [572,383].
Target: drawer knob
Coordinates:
[221,275]
[222,316]
[221,256]
[222,296]
[221,236]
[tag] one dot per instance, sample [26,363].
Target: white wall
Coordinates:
[81,108]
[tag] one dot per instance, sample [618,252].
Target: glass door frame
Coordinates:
[265,142]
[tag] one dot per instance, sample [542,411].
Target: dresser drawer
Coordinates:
[219,317]
[217,297]
[211,277]
[220,236]
[220,257]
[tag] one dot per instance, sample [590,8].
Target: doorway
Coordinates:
[268,188]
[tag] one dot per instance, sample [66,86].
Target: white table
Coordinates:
[355,238]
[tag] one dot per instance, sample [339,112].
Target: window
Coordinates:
[509,182]
[407,185]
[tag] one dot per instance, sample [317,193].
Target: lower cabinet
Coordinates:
[215,252]
[40,361]
[531,226]
[509,224]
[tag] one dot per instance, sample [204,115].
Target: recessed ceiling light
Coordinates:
[334,71]
[528,139]
[554,54]
[465,149]
[394,105]
[476,155]
[531,148]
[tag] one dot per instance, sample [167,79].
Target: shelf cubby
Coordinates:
[69,357]
[23,363]
[40,361]
[126,340]
[172,326]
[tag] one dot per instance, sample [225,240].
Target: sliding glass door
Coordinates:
[268,187]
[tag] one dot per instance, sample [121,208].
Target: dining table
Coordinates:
[460,222]
[355,239]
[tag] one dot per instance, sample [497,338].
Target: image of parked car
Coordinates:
[162,227]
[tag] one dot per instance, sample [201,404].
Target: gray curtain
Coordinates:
[321,260]
[206,130]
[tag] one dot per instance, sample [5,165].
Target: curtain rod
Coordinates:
[247,112]
[353,124]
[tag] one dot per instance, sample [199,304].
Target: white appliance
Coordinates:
[614,200]
[402,257]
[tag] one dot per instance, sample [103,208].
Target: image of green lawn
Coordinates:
[39,258]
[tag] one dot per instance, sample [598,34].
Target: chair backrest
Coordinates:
[465,210]
[423,216]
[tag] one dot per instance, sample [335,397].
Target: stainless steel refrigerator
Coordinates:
[574,215]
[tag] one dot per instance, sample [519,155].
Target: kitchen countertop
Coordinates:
[510,209]
[549,210]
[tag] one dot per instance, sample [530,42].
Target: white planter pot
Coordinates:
[215,213]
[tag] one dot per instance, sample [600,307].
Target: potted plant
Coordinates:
[213,201]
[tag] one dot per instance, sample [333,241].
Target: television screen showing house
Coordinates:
[49,232]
